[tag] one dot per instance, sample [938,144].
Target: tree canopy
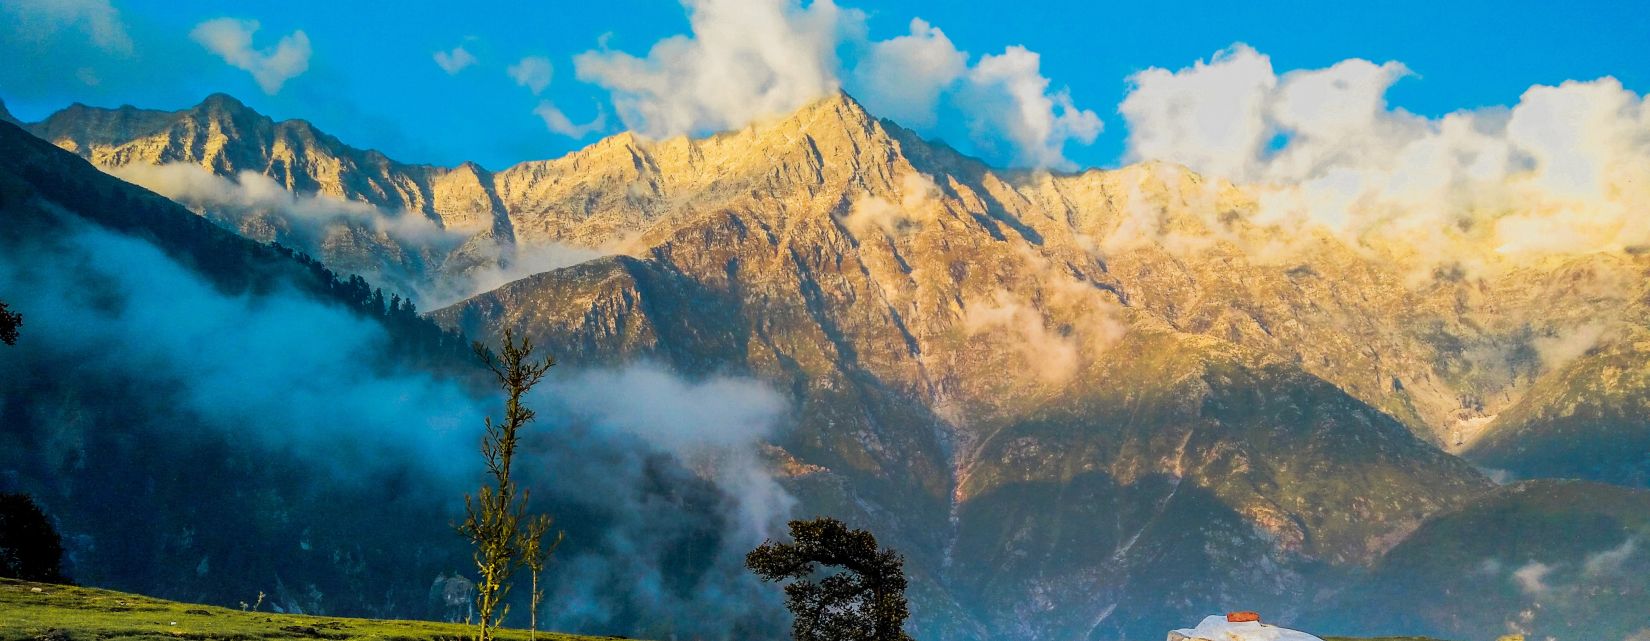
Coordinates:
[843,587]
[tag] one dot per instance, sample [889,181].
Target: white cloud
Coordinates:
[1007,99]
[454,61]
[1557,173]
[902,77]
[558,122]
[231,39]
[1609,561]
[714,424]
[1531,578]
[1210,117]
[872,214]
[1053,356]
[744,60]
[533,72]
[34,19]
[748,59]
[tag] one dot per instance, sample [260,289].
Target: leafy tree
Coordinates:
[496,521]
[534,554]
[30,548]
[864,600]
[9,322]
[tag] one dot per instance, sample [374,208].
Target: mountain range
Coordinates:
[1095,405]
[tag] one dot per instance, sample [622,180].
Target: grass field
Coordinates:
[66,613]
[45,612]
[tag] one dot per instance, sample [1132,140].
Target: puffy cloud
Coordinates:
[98,19]
[748,59]
[454,61]
[231,39]
[558,122]
[745,59]
[1007,99]
[1554,174]
[533,72]
[902,77]
[1210,117]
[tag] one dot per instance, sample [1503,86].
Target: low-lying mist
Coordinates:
[205,446]
[401,251]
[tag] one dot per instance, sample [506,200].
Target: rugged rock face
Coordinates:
[1085,406]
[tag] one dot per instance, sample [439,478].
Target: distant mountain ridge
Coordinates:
[1080,403]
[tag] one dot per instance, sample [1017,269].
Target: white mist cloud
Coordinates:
[902,78]
[870,214]
[1007,99]
[98,19]
[1558,350]
[307,385]
[1609,561]
[532,72]
[558,122]
[231,40]
[251,193]
[1054,357]
[296,368]
[716,424]
[409,247]
[1531,576]
[744,60]
[456,60]
[1557,173]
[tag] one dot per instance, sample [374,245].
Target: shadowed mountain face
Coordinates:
[1084,406]
[1558,559]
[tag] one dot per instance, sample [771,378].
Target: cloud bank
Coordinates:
[1560,172]
[231,40]
[401,251]
[655,477]
[745,60]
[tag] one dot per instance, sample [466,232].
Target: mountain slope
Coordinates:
[225,136]
[1085,406]
[1546,559]
[207,418]
[979,383]
[1589,420]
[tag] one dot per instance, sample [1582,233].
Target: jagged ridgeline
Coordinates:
[42,184]
[1084,406]
[217,420]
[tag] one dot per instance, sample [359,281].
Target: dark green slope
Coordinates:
[1567,560]
[1588,420]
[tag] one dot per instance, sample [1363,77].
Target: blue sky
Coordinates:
[371,78]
